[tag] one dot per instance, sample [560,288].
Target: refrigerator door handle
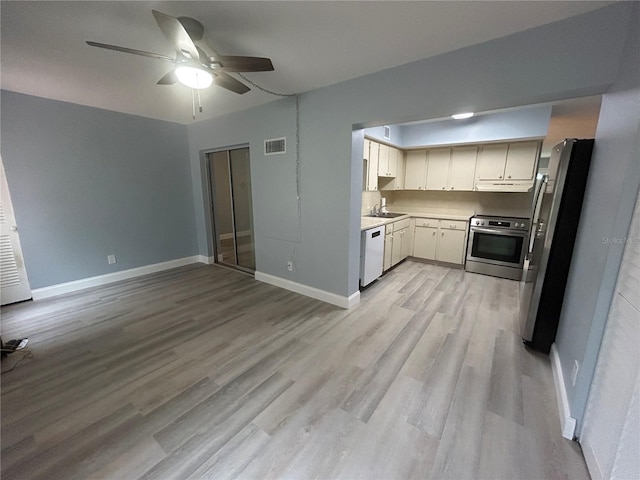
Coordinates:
[536,212]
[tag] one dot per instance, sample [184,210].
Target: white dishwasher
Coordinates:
[371,255]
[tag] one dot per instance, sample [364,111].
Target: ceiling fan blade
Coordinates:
[227,81]
[204,58]
[193,27]
[176,33]
[131,50]
[231,63]
[169,79]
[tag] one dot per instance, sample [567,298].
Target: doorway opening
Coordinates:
[231,203]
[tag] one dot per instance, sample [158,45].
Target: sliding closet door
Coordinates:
[222,208]
[232,208]
[243,217]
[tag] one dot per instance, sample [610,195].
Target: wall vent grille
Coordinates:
[387,132]
[275,146]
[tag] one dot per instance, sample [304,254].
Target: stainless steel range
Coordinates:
[497,246]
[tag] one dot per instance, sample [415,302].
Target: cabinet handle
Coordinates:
[509,176]
[499,176]
[444,188]
[452,188]
[443,234]
[434,233]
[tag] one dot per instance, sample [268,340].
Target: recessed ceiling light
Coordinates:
[194,77]
[460,116]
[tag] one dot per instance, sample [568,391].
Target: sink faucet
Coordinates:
[373,210]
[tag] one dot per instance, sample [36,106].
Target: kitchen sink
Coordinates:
[386,215]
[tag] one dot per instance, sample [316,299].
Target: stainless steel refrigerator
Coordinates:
[557,203]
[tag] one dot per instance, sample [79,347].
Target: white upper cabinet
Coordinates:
[415,174]
[438,160]
[396,181]
[521,160]
[387,161]
[383,160]
[371,156]
[507,162]
[400,168]
[491,162]
[502,167]
[451,168]
[463,168]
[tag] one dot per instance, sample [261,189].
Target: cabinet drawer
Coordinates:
[401,224]
[426,222]
[453,225]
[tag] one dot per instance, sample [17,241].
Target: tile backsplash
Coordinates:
[369,199]
[486,203]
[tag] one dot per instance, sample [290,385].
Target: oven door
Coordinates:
[497,247]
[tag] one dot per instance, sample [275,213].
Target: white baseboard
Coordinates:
[206,260]
[69,287]
[567,422]
[323,295]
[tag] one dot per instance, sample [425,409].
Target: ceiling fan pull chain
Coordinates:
[193,102]
[199,102]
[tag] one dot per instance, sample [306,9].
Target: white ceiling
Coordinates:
[311,44]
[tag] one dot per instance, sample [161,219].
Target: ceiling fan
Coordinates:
[193,66]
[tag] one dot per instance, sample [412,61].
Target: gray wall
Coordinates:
[570,58]
[86,183]
[611,193]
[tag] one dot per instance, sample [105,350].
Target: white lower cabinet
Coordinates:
[451,245]
[388,247]
[441,240]
[397,243]
[425,242]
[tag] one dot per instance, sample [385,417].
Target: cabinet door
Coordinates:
[372,176]
[405,247]
[388,247]
[521,160]
[400,164]
[393,162]
[491,162]
[463,168]
[396,249]
[383,161]
[424,242]
[450,246]
[438,168]
[415,170]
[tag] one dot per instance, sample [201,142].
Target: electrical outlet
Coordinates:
[290,266]
[111,259]
[574,373]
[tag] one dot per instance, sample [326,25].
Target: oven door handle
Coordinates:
[499,232]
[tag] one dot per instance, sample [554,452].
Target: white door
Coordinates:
[14,285]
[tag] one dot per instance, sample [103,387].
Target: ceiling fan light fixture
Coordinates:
[194,77]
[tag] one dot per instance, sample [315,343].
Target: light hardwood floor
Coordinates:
[202,372]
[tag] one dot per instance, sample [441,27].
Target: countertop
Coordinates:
[372,222]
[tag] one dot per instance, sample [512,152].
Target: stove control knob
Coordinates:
[516,225]
[477,222]
[482,223]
